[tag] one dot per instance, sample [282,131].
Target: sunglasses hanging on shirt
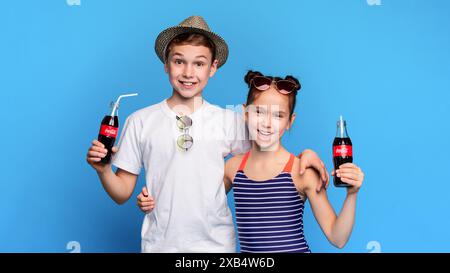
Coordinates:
[184,141]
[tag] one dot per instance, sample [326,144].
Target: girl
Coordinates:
[269,192]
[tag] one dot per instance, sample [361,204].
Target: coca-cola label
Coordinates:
[109,131]
[342,150]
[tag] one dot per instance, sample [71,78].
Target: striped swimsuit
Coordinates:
[269,214]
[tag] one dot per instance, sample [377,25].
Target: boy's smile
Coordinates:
[188,84]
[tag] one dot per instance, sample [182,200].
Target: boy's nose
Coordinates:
[188,71]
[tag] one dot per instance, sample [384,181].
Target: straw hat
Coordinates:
[193,24]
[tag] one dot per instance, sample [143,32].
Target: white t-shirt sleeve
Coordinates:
[129,155]
[238,135]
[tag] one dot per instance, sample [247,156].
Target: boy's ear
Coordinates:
[166,67]
[213,68]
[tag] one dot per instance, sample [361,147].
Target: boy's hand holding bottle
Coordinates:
[96,153]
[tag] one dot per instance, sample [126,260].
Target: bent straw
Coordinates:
[116,104]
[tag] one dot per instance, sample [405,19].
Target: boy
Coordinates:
[181,142]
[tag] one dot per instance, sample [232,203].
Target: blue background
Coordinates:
[384,67]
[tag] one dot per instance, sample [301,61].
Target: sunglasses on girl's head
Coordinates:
[283,86]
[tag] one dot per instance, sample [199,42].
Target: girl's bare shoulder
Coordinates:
[232,165]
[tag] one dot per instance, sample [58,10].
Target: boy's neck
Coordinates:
[184,106]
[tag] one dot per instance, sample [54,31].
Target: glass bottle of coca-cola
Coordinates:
[110,127]
[342,151]
[108,132]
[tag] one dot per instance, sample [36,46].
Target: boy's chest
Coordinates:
[165,140]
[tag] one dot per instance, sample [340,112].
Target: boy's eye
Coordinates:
[199,64]
[178,61]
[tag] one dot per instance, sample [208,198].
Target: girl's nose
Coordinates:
[266,121]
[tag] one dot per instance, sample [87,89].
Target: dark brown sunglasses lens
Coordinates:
[262,83]
[285,87]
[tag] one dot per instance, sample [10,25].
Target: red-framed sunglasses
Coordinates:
[285,87]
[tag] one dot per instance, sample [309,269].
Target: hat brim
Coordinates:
[164,38]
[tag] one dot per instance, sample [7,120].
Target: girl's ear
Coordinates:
[291,122]
[244,111]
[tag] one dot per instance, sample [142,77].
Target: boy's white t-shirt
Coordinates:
[191,213]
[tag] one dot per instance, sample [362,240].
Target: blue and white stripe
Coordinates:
[269,214]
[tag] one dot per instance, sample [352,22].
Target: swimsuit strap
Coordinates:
[243,162]
[288,167]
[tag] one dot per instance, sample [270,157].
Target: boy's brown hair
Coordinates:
[195,39]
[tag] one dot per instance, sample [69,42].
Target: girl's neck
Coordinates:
[267,155]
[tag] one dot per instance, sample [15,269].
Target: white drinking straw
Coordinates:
[116,104]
